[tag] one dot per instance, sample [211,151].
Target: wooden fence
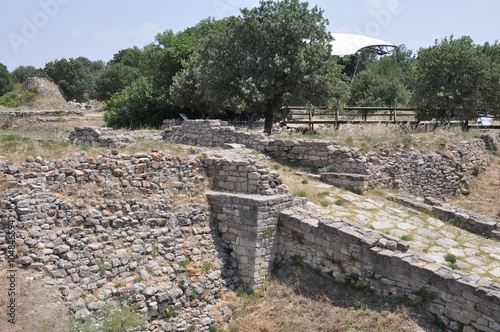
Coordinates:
[319,116]
[299,115]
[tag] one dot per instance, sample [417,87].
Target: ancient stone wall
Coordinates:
[44,86]
[210,133]
[492,140]
[465,219]
[37,113]
[137,227]
[118,227]
[440,173]
[242,176]
[99,136]
[248,227]
[370,260]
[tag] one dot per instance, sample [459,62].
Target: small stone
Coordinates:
[61,249]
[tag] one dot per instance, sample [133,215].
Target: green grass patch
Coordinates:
[406,237]
[340,202]
[185,263]
[301,193]
[115,319]
[450,258]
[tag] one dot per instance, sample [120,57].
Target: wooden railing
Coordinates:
[303,115]
[348,115]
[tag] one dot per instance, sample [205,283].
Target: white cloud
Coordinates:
[110,34]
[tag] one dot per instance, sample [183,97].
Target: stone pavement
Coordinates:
[426,234]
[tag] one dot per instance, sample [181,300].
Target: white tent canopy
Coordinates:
[348,44]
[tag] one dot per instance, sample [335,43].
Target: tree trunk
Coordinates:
[268,120]
[273,107]
[465,124]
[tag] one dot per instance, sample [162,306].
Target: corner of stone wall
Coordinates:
[245,201]
[248,225]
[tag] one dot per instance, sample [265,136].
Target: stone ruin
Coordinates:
[44,86]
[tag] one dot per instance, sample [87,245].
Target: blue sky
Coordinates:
[34,32]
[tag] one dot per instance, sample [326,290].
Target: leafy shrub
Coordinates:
[28,97]
[301,193]
[137,106]
[11,99]
[121,319]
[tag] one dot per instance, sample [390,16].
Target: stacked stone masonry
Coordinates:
[441,173]
[118,227]
[465,219]
[44,86]
[98,136]
[36,114]
[366,258]
[115,227]
[243,176]
[248,227]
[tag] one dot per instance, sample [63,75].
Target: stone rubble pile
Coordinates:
[44,86]
[98,136]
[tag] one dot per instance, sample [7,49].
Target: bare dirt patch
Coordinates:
[38,305]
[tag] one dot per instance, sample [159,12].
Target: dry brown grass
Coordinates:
[376,136]
[298,299]
[485,188]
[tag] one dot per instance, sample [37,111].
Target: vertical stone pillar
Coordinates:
[249,225]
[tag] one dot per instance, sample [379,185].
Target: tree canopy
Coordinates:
[490,89]
[21,73]
[75,77]
[5,81]
[449,80]
[113,79]
[383,82]
[273,55]
[147,101]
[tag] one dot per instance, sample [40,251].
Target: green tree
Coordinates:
[21,73]
[354,64]
[448,80]
[147,101]
[490,89]
[5,81]
[75,77]
[114,79]
[270,56]
[405,60]
[131,107]
[129,57]
[382,84]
